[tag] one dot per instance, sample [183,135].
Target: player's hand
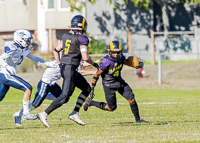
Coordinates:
[140,65]
[96,65]
[92,93]
[52,64]
[60,65]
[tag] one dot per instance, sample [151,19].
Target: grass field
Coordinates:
[174,117]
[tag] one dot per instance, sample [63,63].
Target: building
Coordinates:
[46,19]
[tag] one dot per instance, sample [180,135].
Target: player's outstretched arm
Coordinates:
[133,62]
[41,61]
[85,73]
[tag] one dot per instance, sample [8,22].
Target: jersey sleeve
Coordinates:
[103,64]
[84,40]
[8,50]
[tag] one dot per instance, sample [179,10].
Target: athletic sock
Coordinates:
[135,111]
[26,107]
[97,104]
[20,113]
[79,102]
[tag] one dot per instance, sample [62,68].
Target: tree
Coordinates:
[144,4]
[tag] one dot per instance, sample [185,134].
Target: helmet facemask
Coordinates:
[115,47]
[23,37]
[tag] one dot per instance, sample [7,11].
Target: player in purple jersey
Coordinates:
[74,45]
[110,70]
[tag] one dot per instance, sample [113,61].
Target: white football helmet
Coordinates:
[23,37]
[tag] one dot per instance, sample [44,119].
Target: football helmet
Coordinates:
[78,22]
[115,47]
[23,37]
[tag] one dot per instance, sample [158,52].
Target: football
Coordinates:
[133,61]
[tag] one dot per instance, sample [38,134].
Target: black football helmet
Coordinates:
[115,47]
[78,22]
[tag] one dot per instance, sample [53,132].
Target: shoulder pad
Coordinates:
[84,40]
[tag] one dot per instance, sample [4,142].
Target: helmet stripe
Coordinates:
[111,46]
[120,47]
[83,23]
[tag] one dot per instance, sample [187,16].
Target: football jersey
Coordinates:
[71,48]
[12,57]
[112,70]
[51,75]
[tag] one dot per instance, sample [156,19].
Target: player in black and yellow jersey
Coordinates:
[74,45]
[110,70]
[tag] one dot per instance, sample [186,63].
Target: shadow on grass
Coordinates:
[172,122]
[128,124]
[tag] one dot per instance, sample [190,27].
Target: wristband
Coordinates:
[94,77]
[56,50]
[93,84]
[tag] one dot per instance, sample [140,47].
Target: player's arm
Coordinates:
[133,62]
[41,61]
[85,73]
[94,81]
[56,52]
[96,77]
[86,57]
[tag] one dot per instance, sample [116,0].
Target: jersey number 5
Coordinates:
[67,45]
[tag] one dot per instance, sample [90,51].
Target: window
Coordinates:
[63,5]
[50,4]
[2,1]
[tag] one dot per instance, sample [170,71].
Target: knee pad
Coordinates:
[63,99]
[113,107]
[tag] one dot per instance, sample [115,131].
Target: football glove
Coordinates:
[140,65]
[92,93]
[51,64]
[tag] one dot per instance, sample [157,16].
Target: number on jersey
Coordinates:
[67,45]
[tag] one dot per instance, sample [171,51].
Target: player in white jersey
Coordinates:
[48,85]
[12,57]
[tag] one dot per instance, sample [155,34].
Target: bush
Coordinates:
[96,46]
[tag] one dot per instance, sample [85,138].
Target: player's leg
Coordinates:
[127,93]
[84,86]
[3,90]
[19,83]
[111,104]
[68,73]
[55,92]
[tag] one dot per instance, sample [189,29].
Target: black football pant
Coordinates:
[71,79]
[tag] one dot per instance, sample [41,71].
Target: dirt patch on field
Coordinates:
[182,75]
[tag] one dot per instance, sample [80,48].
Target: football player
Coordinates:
[48,85]
[74,45]
[110,70]
[12,57]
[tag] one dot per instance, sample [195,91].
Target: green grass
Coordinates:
[174,117]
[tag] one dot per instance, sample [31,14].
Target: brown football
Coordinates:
[133,61]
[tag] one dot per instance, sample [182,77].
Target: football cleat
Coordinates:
[43,117]
[17,119]
[87,103]
[29,117]
[142,121]
[74,116]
